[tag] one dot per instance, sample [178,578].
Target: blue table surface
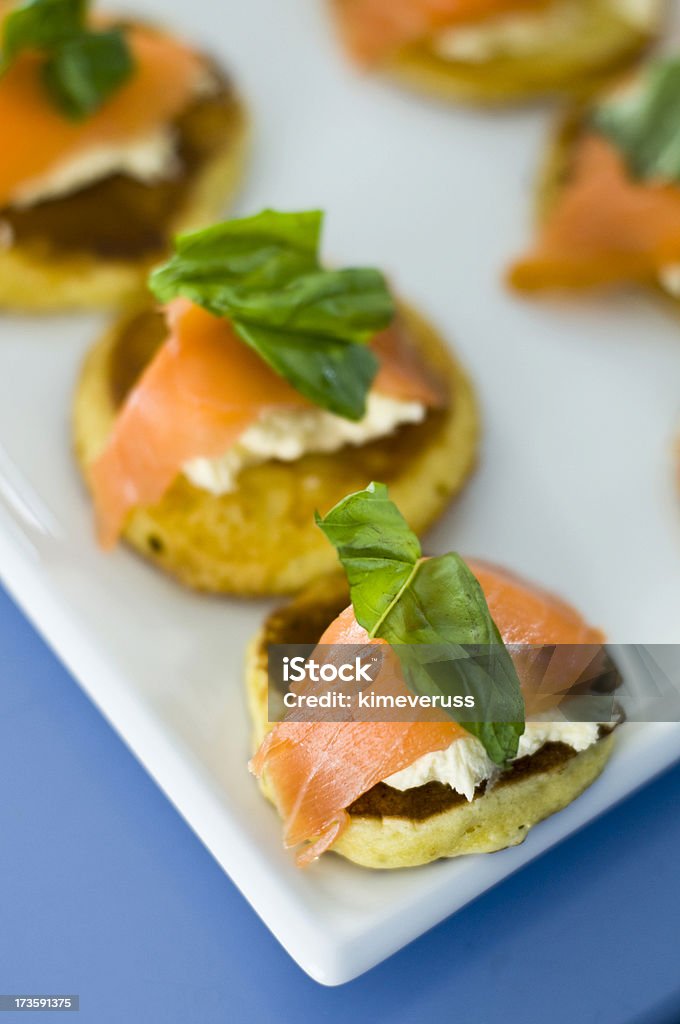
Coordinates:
[106,892]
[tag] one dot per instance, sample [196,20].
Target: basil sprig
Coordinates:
[434,612]
[643,122]
[81,67]
[309,324]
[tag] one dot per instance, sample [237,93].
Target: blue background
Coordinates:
[104,891]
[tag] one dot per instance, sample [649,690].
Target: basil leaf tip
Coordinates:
[433,611]
[81,68]
[310,325]
[643,121]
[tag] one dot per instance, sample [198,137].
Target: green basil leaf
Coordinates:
[432,611]
[309,324]
[457,650]
[499,739]
[84,72]
[332,374]
[259,253]
[343,304]
[81,68]
[41,25]
[377,549]
[643,122]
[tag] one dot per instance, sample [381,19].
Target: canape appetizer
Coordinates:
[117,136]
[265,386]
[609,195]
[495,51]
[399,793]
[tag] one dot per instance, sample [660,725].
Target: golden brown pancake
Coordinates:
[261,538]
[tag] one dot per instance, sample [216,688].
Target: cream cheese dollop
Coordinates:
[464,764]
[525,33]
[288,435]
[151,159]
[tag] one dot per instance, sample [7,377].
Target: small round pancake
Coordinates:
[95,247]
[261,538]
[393,829]
[601,46]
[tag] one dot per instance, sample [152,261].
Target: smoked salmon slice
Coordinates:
[551,644]
[605,227]
[372,29]
[202,389]
[318,769]
[527,614]
[162,85]
[403,374]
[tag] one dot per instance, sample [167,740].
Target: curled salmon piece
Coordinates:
[201,390]
[605,227]
[528,614]
[403,374]
[551,644]
[318,769]
[161,87]
[372,29]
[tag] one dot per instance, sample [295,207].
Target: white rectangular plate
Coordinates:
[575,488]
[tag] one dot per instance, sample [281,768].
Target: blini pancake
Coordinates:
[261,538]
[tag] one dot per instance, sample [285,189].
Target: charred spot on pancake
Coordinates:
[119,217]
[305,619]
[139,338]
[434,797]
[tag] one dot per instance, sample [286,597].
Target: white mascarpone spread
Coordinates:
[525,33]
[465,764]
[288,436]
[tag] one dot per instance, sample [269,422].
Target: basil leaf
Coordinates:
[499,739]
[309,324]
[457,650]
[432,611]
[81,68]
[377,548]
[643,122]
[257,253]
[41,25]
[335,303]
[332,374]
[84,72]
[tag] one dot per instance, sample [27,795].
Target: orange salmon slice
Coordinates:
[161,86]
[605,228]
